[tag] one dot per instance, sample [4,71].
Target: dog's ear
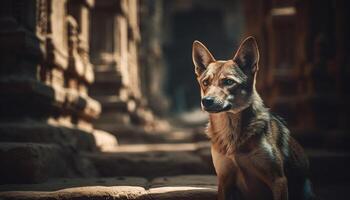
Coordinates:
[247,56]
[201,57]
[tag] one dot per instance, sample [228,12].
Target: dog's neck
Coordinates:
[228,131]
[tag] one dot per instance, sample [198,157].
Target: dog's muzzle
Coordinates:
[212,105]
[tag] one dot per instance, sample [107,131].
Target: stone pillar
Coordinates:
[115,38]
[46,112]
[108,53]
[151,56]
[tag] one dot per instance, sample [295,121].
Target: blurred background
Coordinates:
[100,88]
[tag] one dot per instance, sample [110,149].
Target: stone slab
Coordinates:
[148,164]
[183,193]
[104,140]
[32,162]
[118,188]
[80,193]
[42,132]
[185,180]
[65,183]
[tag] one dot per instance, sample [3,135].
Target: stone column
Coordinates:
[115,38]
[46,112]
[151,56]
[108,53]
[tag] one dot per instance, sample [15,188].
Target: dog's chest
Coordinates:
[236,167]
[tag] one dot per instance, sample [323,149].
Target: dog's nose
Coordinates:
[208,101]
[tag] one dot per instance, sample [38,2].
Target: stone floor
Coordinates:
[176,187]
[180,167]
[166,171]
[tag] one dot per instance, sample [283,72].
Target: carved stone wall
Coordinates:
[46,112]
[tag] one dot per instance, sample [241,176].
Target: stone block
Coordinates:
[209,181]
[199,187]
[65,183]
[183,193]
[80,193]
[148,164]
[104,140]
[40,132]
[32,162]
[117,188]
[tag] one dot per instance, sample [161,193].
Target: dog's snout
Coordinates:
[208,101]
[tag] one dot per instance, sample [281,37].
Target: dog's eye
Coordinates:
[228,82]
[205,82]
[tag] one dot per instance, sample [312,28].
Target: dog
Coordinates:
[253,153]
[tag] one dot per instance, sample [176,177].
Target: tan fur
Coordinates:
[257,172]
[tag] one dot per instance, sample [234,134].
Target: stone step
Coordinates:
[42,132]
[182,187]
[113,103]
[132,134]
[35,162]
[154,160]
[151,161]
[192,187]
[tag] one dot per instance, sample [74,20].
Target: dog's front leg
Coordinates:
[280,188]
[226,188]
[226,170]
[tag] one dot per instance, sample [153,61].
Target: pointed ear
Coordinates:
[201,57]
[247,56]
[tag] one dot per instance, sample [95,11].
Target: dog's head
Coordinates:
[226,86]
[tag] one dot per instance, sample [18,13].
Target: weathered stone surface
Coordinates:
[148,164]
[65,183]
[37,94]
[130,134]
[139,148]
[41,132]
[209,181]
[184,187]
[32,162]
[183,193]
[118,188]
[104,140]
[116,193]
[83,193]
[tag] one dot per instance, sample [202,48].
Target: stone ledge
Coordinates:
[170,188]
[32,162]
[64,183]
[207,181]
[149,164]
[116,193]
[104,140]
[42,132]
[45,96]
[83,193]
[133,134]
[184,188]
[182,193]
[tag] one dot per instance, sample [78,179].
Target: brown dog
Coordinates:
[253,153]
